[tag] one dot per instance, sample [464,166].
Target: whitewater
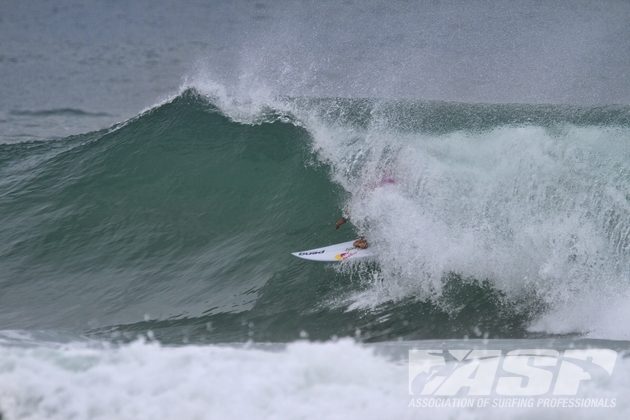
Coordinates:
[301,380]
[536,203]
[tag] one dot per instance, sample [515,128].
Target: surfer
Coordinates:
[360,243]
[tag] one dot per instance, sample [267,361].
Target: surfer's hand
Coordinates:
[360,243]
[340,222]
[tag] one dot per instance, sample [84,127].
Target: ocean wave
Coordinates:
[73,112]
[185,216]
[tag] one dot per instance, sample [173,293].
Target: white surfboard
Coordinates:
[334,253]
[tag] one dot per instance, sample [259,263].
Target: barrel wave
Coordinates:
[496,221]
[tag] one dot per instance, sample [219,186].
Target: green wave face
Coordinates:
[180,211]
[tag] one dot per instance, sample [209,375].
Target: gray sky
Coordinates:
[118,57]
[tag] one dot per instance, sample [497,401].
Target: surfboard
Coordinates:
[334,253]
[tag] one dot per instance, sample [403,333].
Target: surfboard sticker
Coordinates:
[334,253]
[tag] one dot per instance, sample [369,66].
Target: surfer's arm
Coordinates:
[340,222]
